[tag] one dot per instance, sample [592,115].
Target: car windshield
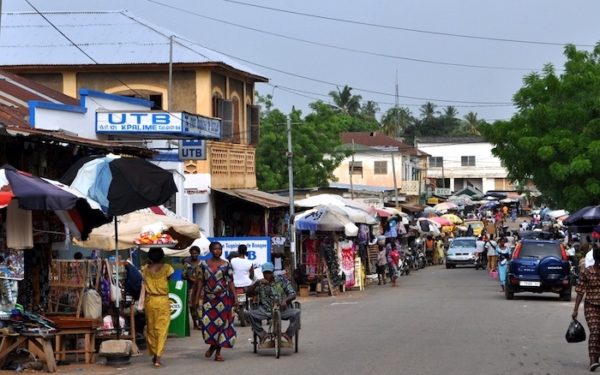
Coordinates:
[463,243]
[540,250]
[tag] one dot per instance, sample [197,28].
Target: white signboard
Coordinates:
[443,191]
[259,248]
[156,122]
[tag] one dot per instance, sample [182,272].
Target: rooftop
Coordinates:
[450,140]
[108,37]
[379,140]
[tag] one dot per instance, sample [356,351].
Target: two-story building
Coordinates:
[378,161]
[455,163]
[116,52]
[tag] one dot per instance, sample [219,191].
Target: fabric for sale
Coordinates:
[19,228]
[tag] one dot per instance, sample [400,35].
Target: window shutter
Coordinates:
[226,115]
[254,125]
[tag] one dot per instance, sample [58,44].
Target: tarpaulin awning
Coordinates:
[412,207]
[261,198]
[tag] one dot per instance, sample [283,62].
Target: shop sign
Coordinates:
[192,150]
[259,248]
[176,305]
[157,123]
[443,191]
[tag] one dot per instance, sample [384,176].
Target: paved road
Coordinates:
[437,321]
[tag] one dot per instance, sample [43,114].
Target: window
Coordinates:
[380,167]
[467,161]
[436,161]
[355,167]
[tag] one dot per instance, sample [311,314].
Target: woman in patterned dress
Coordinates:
[589,285]
[214,285]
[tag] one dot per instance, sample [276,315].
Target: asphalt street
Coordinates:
[437,321]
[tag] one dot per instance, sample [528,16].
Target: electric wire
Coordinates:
[334,83]
[391,27]
[347,49]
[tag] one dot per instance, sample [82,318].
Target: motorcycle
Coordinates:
[404,266]
[243,305]
[421,259]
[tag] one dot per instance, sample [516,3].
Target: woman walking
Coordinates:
[503,255]
[155,299]
[589,286]
[214,285]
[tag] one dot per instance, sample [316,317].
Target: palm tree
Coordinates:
[396,120]
[472,123]
[428,111]
[345,101]
[369,109]
[450,112]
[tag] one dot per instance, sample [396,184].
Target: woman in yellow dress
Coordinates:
[156,303]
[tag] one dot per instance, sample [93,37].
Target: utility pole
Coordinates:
[170,88]
[352,172]
[291,192]
[395,183]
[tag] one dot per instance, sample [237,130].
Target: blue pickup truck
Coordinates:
[539,266]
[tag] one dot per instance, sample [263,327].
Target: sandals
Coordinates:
[157,365]
[219,358]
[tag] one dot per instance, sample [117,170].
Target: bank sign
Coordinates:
[259,248]
[158,123]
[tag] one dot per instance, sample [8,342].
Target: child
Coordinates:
[381,262]
[394,260]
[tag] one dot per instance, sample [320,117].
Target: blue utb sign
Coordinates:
[192,150]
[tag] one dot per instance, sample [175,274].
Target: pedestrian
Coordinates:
[243,268]
[503,254]
[215,287]
[469,231]
[157,306]
[513,215]
[589,286]
[190,265]
[490,247]
[429,248]
[381,263]
[393,260]
[439,250]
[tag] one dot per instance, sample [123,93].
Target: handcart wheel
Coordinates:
[277,332]
[254,340]
[296,341]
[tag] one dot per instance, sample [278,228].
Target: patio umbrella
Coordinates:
[441,221]
[121,185]
[79,214]
[453,218]
[324,218]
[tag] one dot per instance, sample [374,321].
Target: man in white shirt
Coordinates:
[243,269]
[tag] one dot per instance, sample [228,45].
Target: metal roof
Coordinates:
[258,197]
[376,139]
[109,37]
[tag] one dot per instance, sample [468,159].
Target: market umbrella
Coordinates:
[453,218]
[131,225]
[586,217]
[121,185]
[79,214]
[442,221]
[324,218]
[445,206]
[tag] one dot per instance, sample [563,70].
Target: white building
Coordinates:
[457,162]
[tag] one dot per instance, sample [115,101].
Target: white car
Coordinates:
[462,251]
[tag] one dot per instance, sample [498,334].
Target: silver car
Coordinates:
[462,251]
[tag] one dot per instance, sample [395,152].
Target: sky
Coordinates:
[308,48]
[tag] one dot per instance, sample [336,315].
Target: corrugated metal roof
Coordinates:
[450,140]
[375,139]
[109,37]
[258,197]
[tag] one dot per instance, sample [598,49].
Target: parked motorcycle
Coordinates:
[243,306]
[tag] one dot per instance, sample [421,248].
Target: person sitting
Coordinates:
[273,288]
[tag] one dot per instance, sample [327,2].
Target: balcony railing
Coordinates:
[410,187]
[231,166]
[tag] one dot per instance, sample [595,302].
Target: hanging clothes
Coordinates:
[19,228]
[348,262]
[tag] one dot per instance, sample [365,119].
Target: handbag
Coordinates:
[92,302]
[575,332]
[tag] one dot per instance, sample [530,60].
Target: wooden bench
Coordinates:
[38,344]
[89,344]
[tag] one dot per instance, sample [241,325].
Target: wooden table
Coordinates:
[38,344]
[89,344]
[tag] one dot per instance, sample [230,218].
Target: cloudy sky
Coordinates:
[471,54]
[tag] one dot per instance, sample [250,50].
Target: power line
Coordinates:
[347,49]
[391,27]
[334,83]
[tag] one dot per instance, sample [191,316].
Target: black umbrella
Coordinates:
[586,217]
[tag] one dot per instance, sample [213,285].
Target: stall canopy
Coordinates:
[261,198]
[357,212]
[325,218]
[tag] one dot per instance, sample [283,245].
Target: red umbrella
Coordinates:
[441,221]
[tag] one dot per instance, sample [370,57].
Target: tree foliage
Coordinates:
[554,138]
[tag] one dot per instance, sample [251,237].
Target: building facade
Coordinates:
[455,163]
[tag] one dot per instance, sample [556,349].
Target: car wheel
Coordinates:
[566,295]
[508,292]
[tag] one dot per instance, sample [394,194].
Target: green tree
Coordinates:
[346,101]
[554,138]
[471,124]
[396,120]
[369,110]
